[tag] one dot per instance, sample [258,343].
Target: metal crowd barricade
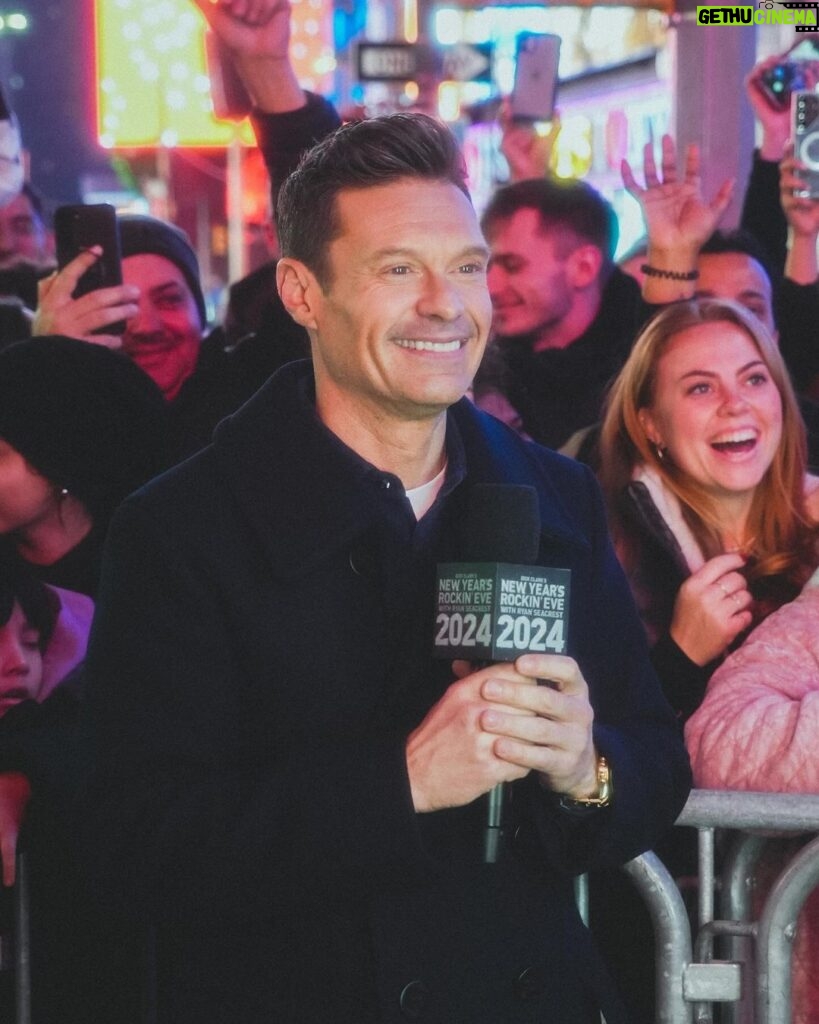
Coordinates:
[15,944]
[755,983]
[22,943]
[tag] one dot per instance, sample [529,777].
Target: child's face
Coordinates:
[21,662]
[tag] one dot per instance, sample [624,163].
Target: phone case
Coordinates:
[533,95]
[805,112]
[779,82]
[76,229]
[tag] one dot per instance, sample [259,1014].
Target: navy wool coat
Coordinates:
[260,655]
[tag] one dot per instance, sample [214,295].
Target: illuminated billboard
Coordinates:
[151,75]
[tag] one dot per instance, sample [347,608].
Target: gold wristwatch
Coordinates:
[601,798]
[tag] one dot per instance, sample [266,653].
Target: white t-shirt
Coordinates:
[422,498]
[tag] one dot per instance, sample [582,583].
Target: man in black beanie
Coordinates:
[162,303]
[165,334]
[160,298]
[205,378]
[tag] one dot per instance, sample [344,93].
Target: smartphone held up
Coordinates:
[77,229]
[805,117]
[779,82]
[535,89]
[794,71]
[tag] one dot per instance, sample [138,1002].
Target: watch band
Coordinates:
[605,790]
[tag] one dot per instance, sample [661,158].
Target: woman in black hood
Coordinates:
[80,428]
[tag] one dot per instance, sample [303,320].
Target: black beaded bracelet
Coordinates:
[671,275]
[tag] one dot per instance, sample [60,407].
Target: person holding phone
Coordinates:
[161,300]
[162,304]
[759,216]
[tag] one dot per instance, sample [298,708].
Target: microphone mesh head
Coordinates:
[502,524]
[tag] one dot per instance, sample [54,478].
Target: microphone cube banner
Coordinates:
[493,611]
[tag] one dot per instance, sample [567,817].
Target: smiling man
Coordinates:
[288,785]
[162,306]
[565,316]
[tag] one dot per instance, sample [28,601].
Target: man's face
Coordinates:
[738,277]
[400,329]
[23,237]
[163,338]
[528,281]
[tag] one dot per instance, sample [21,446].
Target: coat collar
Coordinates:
[496,454]
[276,446]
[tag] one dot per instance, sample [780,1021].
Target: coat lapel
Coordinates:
[306,495]
[301,491]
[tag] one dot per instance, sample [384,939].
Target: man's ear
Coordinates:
[299,290]
[584,265]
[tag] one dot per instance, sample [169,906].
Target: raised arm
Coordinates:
[257,34]
[678,220]
[527,152]
[762,215]
[287,120]
[802,215]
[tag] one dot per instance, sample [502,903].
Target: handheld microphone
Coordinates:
[498,605]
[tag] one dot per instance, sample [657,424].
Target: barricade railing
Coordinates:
[755,982]
[22,943]
[15,944]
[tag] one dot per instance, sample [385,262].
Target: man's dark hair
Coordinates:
[359,155]
[726,242]
[573,206]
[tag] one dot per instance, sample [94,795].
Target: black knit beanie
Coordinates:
[85,417]
[140,234]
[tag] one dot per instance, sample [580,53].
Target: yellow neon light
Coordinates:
[152,81]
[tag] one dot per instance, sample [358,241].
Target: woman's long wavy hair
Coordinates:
[782,549]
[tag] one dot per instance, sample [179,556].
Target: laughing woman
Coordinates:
[703,465]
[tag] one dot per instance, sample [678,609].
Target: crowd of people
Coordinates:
[250,793]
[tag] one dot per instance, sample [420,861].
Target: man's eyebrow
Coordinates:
[476,250]
[166,286]
[397,252]
[752,293]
